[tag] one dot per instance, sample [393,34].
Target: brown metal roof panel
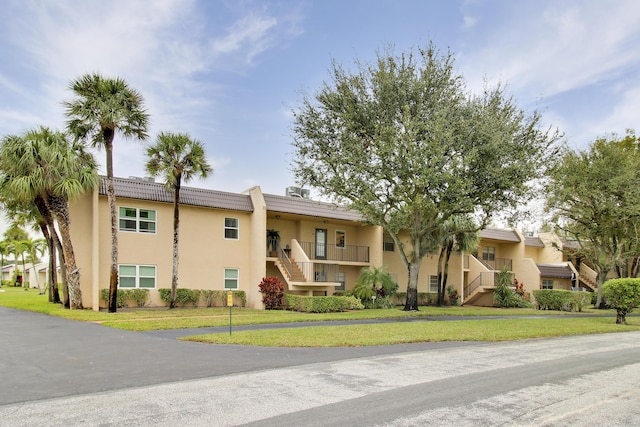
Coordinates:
[533,241]
[294,205]
[156,192]
[562,271]
[505,235]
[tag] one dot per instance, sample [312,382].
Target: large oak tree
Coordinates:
[404,143]
[595,196]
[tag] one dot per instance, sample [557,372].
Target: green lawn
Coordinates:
[506,328]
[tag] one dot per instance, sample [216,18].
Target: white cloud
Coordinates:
[568,45]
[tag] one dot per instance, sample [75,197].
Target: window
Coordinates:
[387,243]
[137,220]
[488,253]
[231,228]
[231,278]
[341,238]
[547,284]
[137,276]
[433,284]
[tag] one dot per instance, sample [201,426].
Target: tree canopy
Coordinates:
[404,143]
[595,197]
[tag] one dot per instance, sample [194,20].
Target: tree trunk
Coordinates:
[111,196]
[412,287]
[440,281]
[600,279]
[176,224]
[621,318]
[60,207]
[55,245]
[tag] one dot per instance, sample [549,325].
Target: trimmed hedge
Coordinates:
[558,299]
[424,298]
[126,296]
[195,297]
[328,304]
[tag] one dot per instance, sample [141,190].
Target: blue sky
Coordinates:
[230,72]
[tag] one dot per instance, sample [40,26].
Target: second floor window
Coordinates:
[231,228]
[488,253]
[137,220]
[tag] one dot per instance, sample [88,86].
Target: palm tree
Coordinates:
[176,157]
[43,167]
[459,234]
[101,108]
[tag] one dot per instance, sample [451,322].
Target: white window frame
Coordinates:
[236,228]
[433,284]
[137,276]
[489,253]
[344,239]
[546,283]
[137,220]
[237,279]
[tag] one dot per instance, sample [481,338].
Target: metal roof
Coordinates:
[561,271]
[505,235]
[295,205]
[533,241]
[154,191]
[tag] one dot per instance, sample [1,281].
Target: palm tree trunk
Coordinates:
[440,281]
[176,225]
[60,207]
[54,246]
[111,196]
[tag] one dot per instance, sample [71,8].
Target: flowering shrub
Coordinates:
[272,291]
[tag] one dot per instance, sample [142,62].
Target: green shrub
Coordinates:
[623,295]
[504,296]
[424,298]
[209,297]
[559,299]
[329,304]
[121,299]
[138,296]
[364,291]
[6,283]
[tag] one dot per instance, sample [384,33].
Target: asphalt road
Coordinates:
[60,372]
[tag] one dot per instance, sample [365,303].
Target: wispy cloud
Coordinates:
[169,50]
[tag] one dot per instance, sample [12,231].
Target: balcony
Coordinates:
[331,252]
[496,264]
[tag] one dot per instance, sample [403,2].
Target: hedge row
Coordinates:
[127,296]
[424,298]
[557,299]
[194,297]
[327,304]
[210,298]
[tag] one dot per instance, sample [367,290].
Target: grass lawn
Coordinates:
[506,328]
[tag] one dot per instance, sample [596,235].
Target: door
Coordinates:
[321,243]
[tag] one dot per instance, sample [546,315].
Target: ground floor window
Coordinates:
[433,284]
[231,276]
[137,276]
[547,284]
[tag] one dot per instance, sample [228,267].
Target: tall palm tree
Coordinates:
[42,166]
[101,108]
[459,234]
[176,157]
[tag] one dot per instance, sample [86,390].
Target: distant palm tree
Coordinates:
[42,165]
[176,157]
[459,234]
[101,108]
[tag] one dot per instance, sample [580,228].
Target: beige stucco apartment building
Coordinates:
[322,247]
